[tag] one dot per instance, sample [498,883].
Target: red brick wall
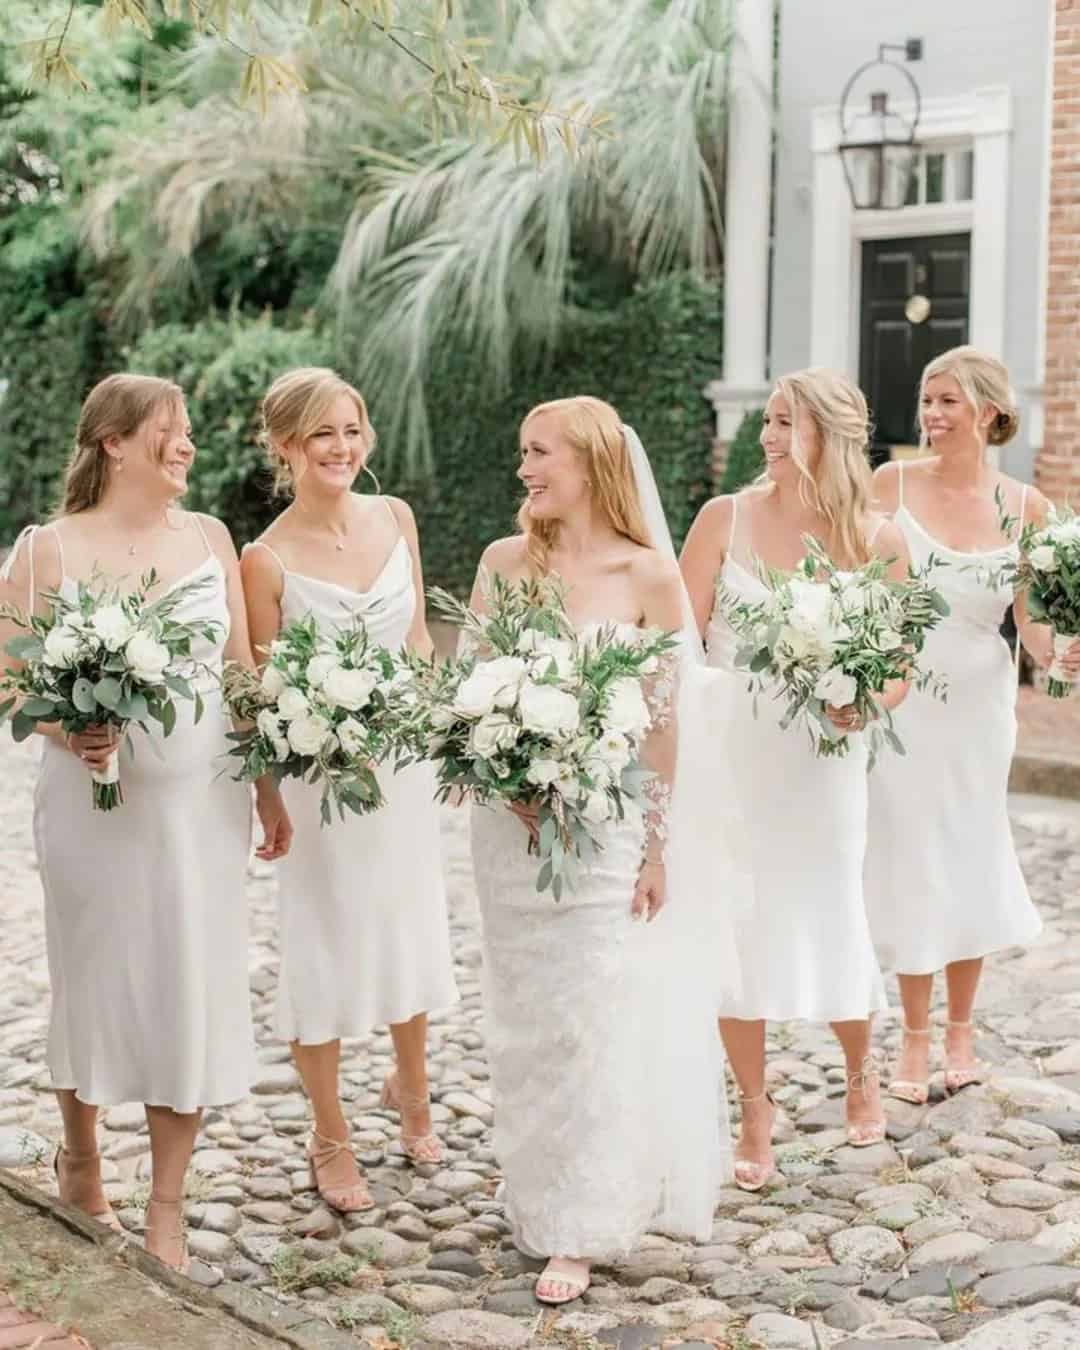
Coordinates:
[1058,469]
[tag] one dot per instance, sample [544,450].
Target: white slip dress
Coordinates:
[145,914]
[363,929]
[943,882]
[804,946]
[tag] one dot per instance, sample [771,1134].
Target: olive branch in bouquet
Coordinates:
[319,710]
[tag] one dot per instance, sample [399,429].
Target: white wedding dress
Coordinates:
[608,1097]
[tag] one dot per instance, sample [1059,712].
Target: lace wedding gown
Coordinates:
[607,1092]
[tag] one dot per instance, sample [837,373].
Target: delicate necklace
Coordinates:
[131,547]
[339,539]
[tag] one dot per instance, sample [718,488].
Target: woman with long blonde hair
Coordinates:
[944,887]
[804,947]
[364,936]
[146,921]
[606,1109]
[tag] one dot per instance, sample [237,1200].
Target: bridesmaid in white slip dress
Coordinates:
[594,1139]
[804,949]
[943,884]
[364,935]
[145,917]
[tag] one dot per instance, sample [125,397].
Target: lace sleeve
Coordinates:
[659,752]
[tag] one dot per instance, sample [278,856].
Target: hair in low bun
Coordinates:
[985,382]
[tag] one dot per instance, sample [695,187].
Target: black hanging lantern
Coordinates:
[877,145]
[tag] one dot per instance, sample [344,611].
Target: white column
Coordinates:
[989,235]
[746,216]
[831,260]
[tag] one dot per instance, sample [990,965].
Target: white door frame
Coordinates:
[984,116]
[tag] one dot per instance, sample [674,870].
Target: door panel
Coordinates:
[915,305]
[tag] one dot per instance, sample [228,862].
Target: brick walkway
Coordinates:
[26,1331]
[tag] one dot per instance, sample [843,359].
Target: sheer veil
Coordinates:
[694,963]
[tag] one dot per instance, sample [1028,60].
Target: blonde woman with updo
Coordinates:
[944,887]
[145,917]
[364,936]
[601,1040]
[805,951]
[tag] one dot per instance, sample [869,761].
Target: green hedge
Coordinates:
[746,459]
[652,358]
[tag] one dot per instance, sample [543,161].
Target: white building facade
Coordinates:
[877,293]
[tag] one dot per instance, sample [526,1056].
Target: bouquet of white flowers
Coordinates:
[103,659]
[537,714]
[319,710]
[1048,570]
[830,637]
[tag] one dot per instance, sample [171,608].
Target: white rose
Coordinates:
[273,682]
[62,647]
[281,749]
[599,770]
[836,687]
[548,711]
[147,658]
[811,603]
[343,688]
[543,772]
[269,725]
[596,807]
[112,626]
[625,708]
[292,702]
[442,718]
[319,667]
[492,734]
[1044,558]
[507,672]
[308,733]
[476,695]
[550,651]
[352,737]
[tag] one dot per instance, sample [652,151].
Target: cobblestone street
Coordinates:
[963,1228]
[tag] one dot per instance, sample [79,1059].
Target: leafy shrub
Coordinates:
[745,457]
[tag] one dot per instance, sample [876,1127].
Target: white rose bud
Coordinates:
[308,733]
[147,658]
[1044,558]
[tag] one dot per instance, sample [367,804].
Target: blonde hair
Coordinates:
[116,406]
[594,429]
[292,410]
[984,381]
[840,484]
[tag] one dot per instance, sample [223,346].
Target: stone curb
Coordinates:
[249,1307]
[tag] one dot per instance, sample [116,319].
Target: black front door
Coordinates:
[915,295]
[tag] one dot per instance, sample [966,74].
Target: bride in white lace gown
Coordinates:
[601,1039]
